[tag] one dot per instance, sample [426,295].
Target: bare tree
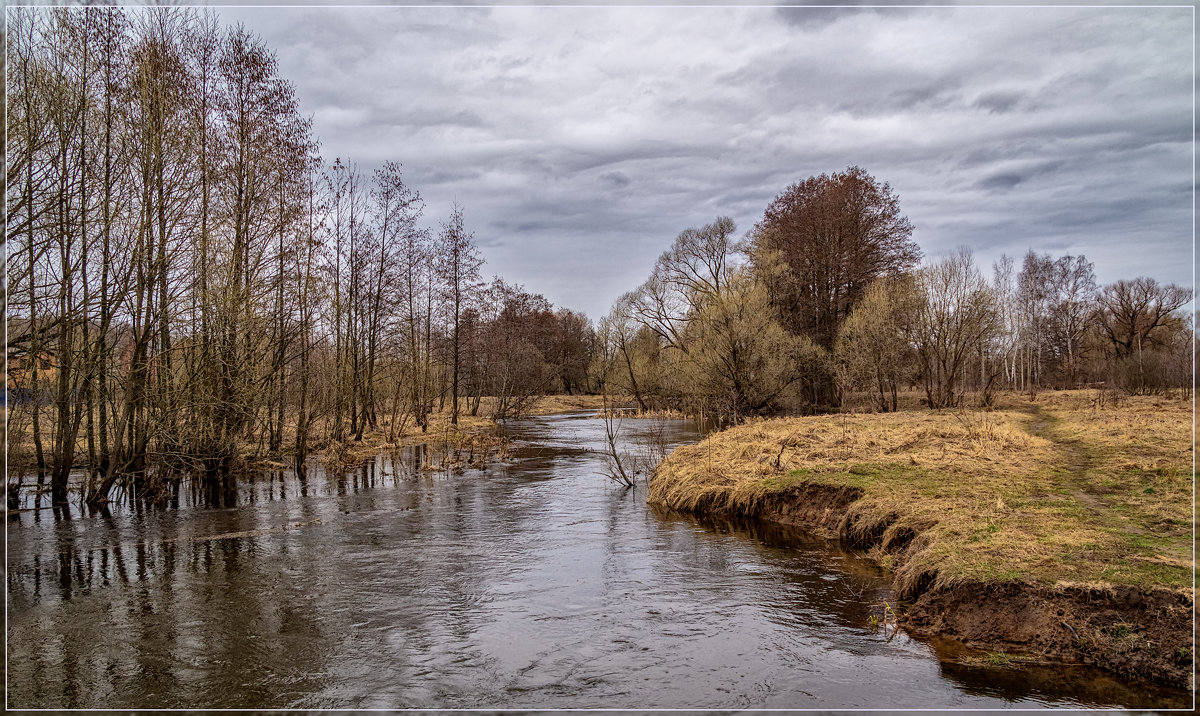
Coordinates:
[1133,314]
[954,316]
[458,269]
[1072,308]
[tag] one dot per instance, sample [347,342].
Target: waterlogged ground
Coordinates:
[534,584]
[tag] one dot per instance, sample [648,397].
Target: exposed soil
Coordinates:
[1130,631]
[1134,632]
[817,508]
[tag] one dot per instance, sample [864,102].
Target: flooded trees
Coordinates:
[157,197]
[257,170]
[187,286]
[417,301]
[396,208]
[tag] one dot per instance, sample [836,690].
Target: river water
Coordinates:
[534,583]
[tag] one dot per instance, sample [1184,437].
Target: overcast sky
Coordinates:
[581,141]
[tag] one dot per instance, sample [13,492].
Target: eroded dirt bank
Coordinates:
[1132,631]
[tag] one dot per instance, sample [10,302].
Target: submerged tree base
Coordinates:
[1060,528]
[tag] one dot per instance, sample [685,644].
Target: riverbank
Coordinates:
[474,434]
[472,442]
[1058,529]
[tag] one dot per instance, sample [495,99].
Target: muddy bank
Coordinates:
[1131,631]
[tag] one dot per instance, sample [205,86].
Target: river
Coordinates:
[533,583]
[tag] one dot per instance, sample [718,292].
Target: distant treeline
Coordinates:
[827,297]
[189,284]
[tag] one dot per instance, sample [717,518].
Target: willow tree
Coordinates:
[741,359]
[872,348]
[713,321]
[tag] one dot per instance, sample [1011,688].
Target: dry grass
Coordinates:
[631,413]
[474,438]
[551,404]
[1057,490]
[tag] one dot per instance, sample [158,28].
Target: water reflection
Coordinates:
[532,584]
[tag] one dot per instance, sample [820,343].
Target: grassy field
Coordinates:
[1068,488]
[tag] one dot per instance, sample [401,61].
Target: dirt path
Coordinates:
[1075,464]
[1076,473]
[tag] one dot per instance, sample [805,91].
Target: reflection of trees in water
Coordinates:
[409,599]
[799,565]
[150,612]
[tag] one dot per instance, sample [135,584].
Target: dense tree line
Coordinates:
[189,284]
[826,297]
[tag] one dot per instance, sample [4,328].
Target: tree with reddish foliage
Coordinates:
[819,246]
[822,241]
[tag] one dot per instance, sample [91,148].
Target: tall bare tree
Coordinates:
[458,267]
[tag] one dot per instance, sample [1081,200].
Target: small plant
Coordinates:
[1106,398]
[978,426]
[997,658]
[617,470]
[789,441]
[895,622]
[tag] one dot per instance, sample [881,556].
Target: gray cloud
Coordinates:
[616,179]
[1006,180]
[821,14]
[998,102]
[582,140]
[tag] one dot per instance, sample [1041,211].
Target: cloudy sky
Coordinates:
[582,140]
